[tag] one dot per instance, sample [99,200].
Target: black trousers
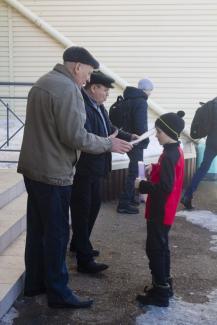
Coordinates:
[46,239]
[85,205]
[157,250]
[128,194]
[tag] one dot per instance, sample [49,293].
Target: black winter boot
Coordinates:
[187,202]
[149,289]
[157,296]
[170,282]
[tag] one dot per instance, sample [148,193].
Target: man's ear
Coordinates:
[77,67]
[93,88]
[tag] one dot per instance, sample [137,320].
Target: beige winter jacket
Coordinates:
[54,130]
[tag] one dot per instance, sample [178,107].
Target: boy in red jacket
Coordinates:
[164,187]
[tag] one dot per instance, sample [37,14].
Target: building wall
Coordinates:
[172,42]
[4,48]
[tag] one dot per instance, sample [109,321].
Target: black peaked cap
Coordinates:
[97,77]
[80,54]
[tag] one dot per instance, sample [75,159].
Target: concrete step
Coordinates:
[11,185]
[11,273]
[12,221]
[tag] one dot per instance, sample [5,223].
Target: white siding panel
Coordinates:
[4,43]
[4,53]
[173,42]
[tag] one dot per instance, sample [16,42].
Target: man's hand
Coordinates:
[114,134]
[120,146]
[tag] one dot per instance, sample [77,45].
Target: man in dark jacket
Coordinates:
[86,198]
[209,154]
[136,102]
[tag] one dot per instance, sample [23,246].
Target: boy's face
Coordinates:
[163,138]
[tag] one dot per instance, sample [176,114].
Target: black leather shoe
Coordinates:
[91,267]
[95,253]
[135,202]
[32,293]
[73,302]
[127,210]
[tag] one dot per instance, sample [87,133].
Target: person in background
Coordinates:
[210,152]
[53,135]
[86,189]
[138,124]
[164,188]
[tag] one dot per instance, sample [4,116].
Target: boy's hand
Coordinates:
[137,182]
[134,136]
[148,170]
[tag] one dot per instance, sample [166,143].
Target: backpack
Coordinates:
[203,118]
[119,113]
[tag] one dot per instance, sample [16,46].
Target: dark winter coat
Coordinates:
[137,102]
[212,135]
[97,165]
[165,186]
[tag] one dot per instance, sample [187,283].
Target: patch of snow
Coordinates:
[182,313]
[9,317]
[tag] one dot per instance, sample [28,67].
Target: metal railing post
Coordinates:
[9,112]
[7,109]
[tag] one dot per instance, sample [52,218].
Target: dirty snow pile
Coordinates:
[182,313]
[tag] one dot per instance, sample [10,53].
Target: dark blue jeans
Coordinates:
[209,155]
[46,239]
[128,194]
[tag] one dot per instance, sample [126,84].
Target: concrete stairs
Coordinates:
[12,237]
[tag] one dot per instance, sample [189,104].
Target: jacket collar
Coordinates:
[171,145]
[62,69]
[133,92]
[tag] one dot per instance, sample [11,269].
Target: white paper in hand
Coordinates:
[143,136]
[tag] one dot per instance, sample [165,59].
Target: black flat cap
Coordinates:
[80,54]
[99,78]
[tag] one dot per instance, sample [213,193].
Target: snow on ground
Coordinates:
[180,312]
[9,317]
[205,219]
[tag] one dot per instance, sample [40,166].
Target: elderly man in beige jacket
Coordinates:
[53,136]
